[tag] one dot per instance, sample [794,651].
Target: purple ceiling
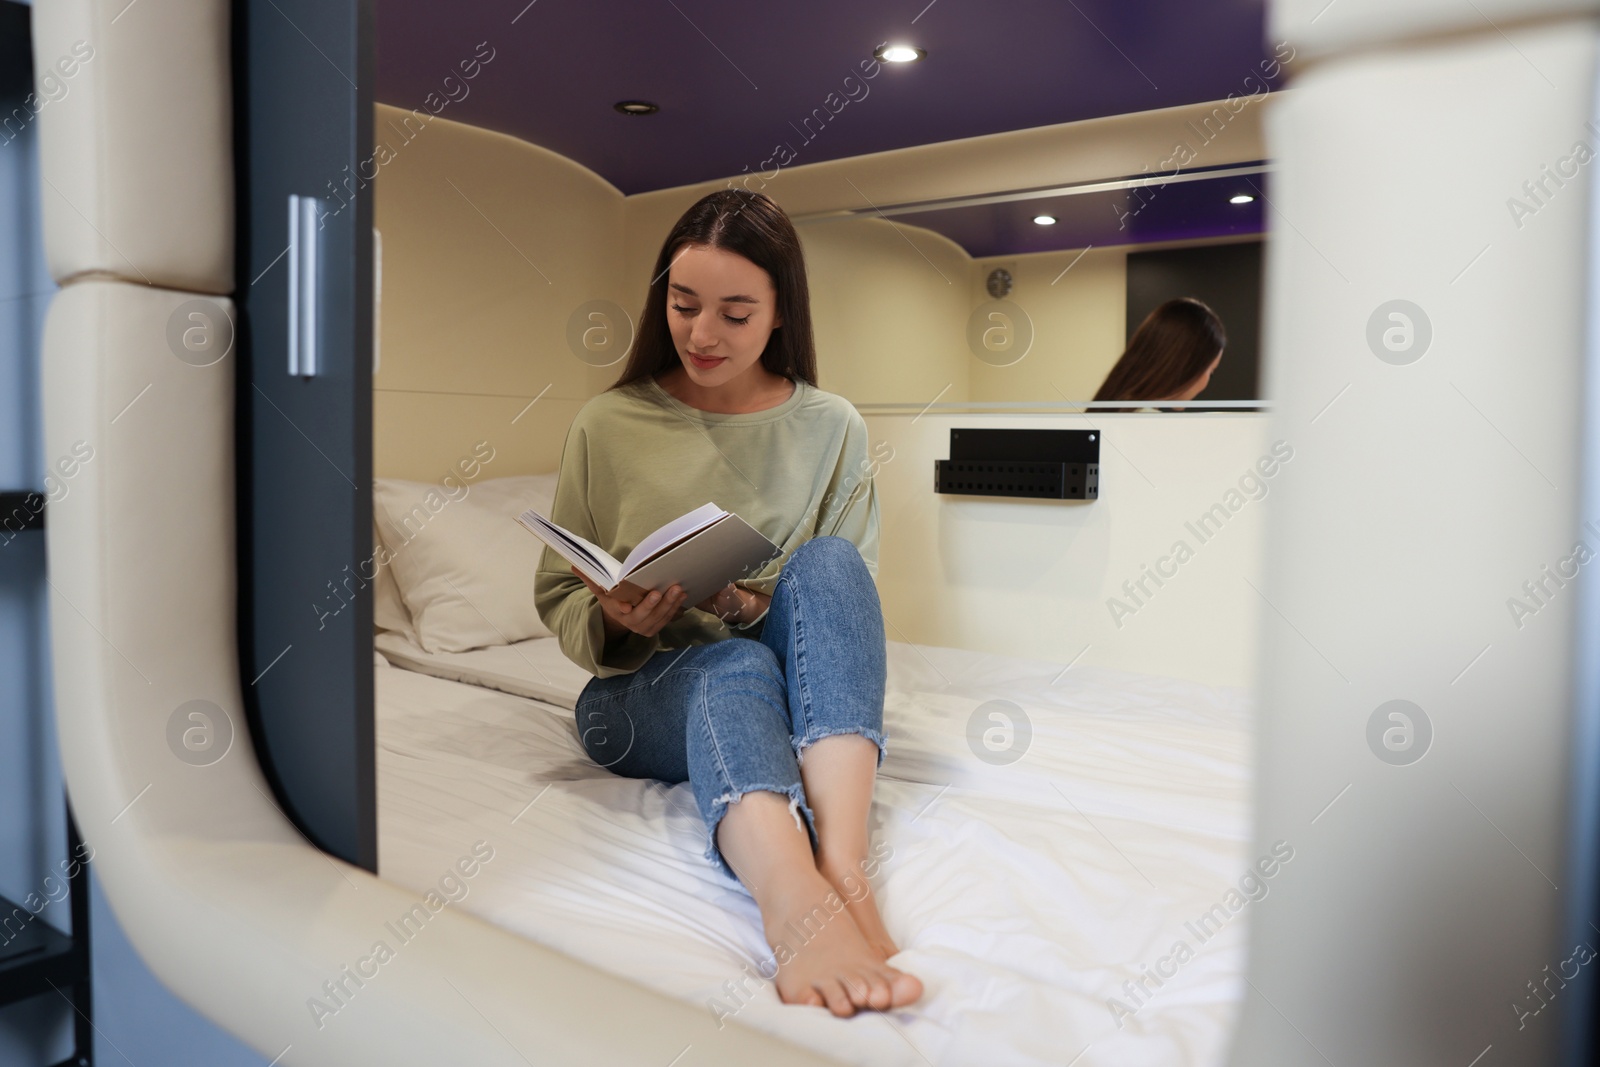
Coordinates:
[735,80]
[1182,211]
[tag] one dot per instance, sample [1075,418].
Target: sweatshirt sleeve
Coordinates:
[848,509]
[854,516]
[565,604]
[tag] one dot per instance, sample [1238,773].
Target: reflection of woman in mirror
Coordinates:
[766,697]
[1171,356]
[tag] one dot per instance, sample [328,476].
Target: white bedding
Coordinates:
[536,668]
[1023,896]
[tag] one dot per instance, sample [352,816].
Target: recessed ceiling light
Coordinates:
[636,107]
[1045,220]
[1242,198]
[899,53]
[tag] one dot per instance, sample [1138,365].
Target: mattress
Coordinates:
[1064,853]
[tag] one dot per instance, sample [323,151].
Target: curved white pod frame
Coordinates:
[217,891]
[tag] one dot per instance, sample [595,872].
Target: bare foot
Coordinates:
[822,958]
[855,889]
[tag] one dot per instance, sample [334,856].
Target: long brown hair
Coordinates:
[1171,348]
[751,225]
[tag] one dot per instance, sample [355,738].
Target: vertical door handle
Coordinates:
[305,278]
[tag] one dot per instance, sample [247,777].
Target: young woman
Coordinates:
[1171,356]
[768,696]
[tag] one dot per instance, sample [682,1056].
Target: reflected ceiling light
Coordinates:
[1242,198]
[1045,220]
[898,53]
[636,107]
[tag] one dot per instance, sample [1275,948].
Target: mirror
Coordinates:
[1029,296]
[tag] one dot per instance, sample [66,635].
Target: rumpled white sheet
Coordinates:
[1023,896]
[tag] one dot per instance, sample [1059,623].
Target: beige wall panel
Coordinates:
[1038,579]
[489,246]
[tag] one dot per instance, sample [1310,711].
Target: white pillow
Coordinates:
[464,566]
[388,610]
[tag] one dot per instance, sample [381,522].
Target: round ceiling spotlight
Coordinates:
[636,107]
[898,53]
[1045,220]
[1242,198]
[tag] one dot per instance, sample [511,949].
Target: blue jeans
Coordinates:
[732,717]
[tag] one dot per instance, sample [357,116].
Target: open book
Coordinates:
[701,551]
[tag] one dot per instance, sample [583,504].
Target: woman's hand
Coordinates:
[734,604]
[629,608]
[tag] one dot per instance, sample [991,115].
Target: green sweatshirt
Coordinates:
[636,458]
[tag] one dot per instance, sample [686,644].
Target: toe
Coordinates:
[838,1001]
[880,995]
[905,988]
[866,989]
[859,985]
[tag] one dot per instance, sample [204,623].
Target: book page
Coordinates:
[570,545]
